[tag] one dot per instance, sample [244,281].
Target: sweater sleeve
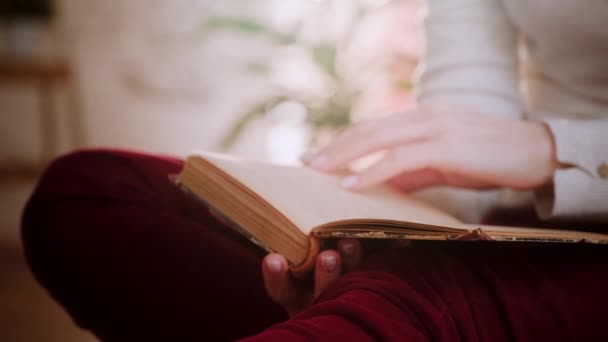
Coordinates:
[470,61]
[471,57]
[581,190]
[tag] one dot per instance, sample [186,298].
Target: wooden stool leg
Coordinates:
[48,124]
[76,119]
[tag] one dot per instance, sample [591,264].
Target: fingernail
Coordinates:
[328,263]
[347,248]
[350,182]
[274,264]
[307,157]
[320,161]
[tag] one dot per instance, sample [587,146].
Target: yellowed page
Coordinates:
[310,199]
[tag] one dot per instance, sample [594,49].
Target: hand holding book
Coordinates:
[292,295]
[429,146]
[291,210]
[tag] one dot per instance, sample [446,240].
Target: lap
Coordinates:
[463,291]
[130,256]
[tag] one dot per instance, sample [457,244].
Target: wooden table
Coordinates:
[47,75]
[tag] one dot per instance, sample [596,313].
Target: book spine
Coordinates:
[300,270]
[314,248]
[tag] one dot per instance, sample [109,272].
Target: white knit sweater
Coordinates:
[539,60]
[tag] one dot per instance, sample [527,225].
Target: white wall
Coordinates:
[150,80]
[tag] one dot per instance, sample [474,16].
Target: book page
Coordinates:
[310,199]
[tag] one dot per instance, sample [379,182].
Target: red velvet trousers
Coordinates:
[131,258]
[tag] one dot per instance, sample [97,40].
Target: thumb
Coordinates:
[280,285]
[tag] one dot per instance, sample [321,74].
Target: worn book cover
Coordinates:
[288,209]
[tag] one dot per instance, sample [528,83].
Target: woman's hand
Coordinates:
[330,264]
[428,146]
[444,146]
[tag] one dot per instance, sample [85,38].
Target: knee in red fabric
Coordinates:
[57,217]
[132,258]
[80,179]
[99,171]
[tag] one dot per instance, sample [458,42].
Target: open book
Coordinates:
[287,209]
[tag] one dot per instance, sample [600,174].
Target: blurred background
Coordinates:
[263,79]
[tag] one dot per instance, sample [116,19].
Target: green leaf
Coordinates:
[332,114]
[248,26]
[259,68]
[404,85]
[325,57]
[241,124]
[237,24]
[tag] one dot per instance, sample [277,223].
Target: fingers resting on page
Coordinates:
[435,145]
